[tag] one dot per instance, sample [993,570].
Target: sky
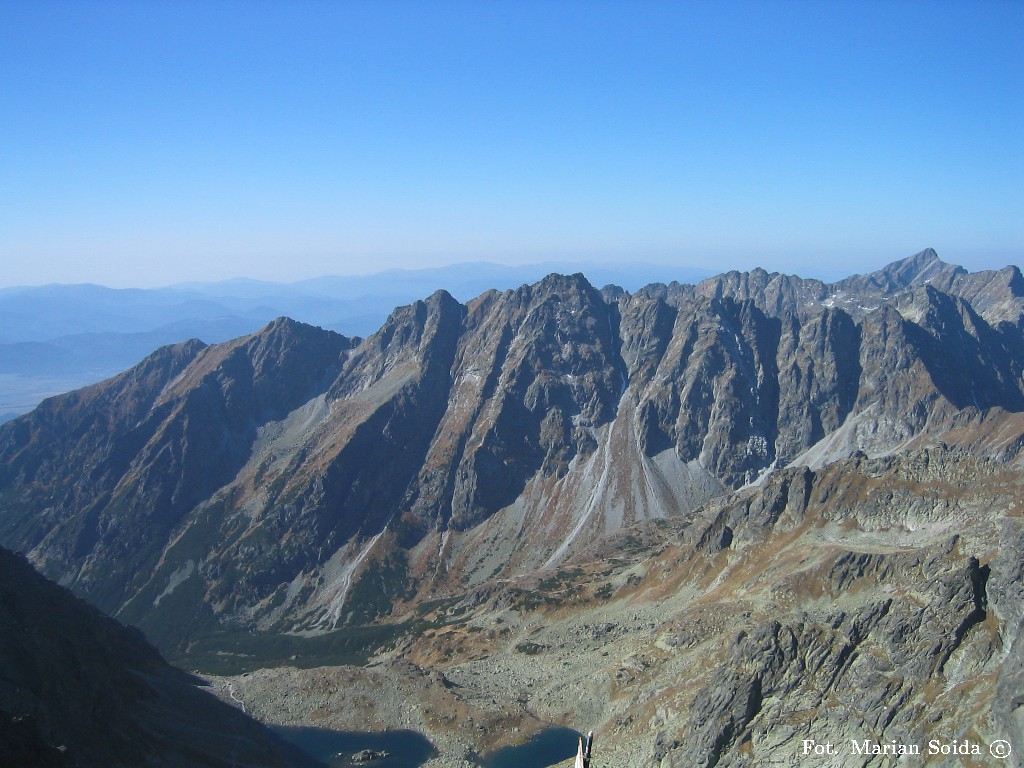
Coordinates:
[150,143]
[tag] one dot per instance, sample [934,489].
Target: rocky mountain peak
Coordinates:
[920,269]
[1014,280]
[576,282]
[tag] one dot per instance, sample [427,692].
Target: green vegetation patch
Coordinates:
[604,592]
[561,579]
[232,653]
[375,593]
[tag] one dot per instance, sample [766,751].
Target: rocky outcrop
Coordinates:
[864,674]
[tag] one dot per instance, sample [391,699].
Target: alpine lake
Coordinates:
[409,749]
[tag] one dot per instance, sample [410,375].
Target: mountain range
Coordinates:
[55,338]
[709,520]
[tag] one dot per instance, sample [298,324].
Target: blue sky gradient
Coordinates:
[146,143]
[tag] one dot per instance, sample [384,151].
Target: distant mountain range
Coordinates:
[56,338]
[779,505]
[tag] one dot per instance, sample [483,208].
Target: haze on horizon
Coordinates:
[147,144]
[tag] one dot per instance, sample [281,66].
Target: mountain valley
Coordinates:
[707,521]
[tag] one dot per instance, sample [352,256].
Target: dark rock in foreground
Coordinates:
[78,689]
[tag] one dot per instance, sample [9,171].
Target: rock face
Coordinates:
[79,689]
[884,634]
[299,481]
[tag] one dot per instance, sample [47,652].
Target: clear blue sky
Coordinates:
[145,143]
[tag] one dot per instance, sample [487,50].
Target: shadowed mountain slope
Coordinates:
[79,689]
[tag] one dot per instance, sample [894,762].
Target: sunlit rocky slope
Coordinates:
[721,475]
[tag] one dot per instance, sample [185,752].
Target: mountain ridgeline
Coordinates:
[296,480]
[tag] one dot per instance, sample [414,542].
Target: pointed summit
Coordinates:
[922,268]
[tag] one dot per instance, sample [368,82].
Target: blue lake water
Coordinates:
[406,749]
[547,747]
[409,749]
